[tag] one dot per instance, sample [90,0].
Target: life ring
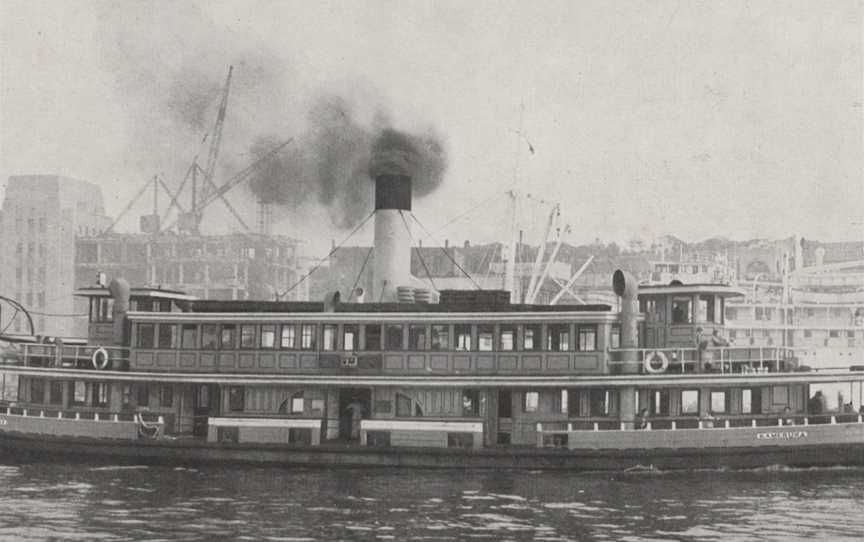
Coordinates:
[97,363]
[653,356]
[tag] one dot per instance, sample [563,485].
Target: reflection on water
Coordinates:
[49,501]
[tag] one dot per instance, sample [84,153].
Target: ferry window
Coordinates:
[681,310]
[78,391]
[440,337]
[403,406]
[55,393]
[101,309]
[587,338]
[146,336]
[166,399]
[209,337]
[9,387]
[505,404]
[660,403]
[268,336]
[751,401]
[164,305]
[615,336]
[599,403]
[463,336]
[393,333]
[558,337]
[834,333]
[307,337]
[202,398]
[470,403]
[143,395]
[485,338]
[706,308]
[37,390]
[808,333]
[100,394]
[247,336]
[167,336]
[719,403]
[328,337]
[531,340]
[689,401]
[731,313]
[530,401]
[297,403]
[373,337]
[188,336]
[289,339]
[236,398]
[126,395]
[145,305]
[562,402]
[349,337]
[416,337]
[507,342]
[226,338]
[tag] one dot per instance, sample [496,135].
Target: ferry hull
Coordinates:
[22,447]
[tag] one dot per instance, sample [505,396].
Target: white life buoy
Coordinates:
[100,358]
[655,356]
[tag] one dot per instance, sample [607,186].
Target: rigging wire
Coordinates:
[483,203]
[362,268]
[447,253]
[419,252]
[332,251]
[60,315]
[10,322]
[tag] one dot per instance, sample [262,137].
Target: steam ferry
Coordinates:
[467,380]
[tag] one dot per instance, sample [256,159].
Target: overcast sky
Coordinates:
[697,119]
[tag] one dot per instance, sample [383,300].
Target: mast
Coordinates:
[510,269]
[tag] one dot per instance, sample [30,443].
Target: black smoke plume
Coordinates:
[328,165]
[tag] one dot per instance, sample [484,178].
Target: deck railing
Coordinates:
[558,434]
[28,412]
[68,356]
[713,359]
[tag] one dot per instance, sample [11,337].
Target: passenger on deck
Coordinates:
[707,420]
[817,404]
[642,419]
[787,418]
[717,339]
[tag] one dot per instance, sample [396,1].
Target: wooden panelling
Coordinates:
[558,362]
[531,363]
[416,361]
[225,361]
[144,359]
[439,363]
[308,361]
[482,361]
[246,361]
[209,360]
[187,359]
[166,359]
[393,362]
[287,361]
[508,363]
[267,361]
[586,362]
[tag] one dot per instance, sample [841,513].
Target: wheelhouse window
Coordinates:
[307,337]
[416,337]
[189,336]
[227,340]
[297,403]
[101,309]
[268,337]
[209,337]
[485,337]
[146,336]
[530,401]
[393,336]
[247,336]
[558,338]
[463,336]
[470,403]
[289,336]
[507,340]
[328,337]
[440,337]
[587,338]
[531,339]
[167,336]
[706,308]
[236,398]
[682,312]
[373,337]
[349,336]
[689,402]
[719,402]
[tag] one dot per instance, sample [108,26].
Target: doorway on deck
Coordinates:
[355,404]
[205,399]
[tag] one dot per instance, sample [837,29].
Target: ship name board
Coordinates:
[781,435]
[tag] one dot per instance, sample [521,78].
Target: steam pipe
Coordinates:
[625,286]
[120,291]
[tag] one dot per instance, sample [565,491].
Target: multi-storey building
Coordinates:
[42,215]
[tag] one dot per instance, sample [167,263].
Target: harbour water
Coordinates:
[44,501]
